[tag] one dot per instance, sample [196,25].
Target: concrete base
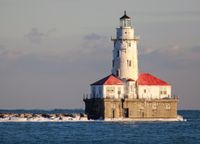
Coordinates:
[178,118]
[133,109]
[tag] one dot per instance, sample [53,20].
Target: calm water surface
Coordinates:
[103,132]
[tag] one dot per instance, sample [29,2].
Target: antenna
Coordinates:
[125,12]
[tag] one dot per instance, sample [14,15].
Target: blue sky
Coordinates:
[50,51]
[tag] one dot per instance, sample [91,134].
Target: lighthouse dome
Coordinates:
[125,16]
[125,21]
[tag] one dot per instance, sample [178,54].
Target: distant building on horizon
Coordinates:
[126,93]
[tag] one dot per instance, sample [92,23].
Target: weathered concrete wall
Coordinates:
[94,108]
[113,108]
[162,108]
[136,108]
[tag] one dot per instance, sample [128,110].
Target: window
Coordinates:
[129,44]
[145,90]
[125,23]
[132,88]
[126,112]
[154,106]
[129,23]
[119,90]
[110,89]
[167,106]
[100,91]
[163,92]
[93,91]
[110,92]
[117,73]
[129,63]
[118,53]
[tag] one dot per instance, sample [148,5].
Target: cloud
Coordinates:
[2,49]
[34,36]
[51,31]
[39,75]
[93,36]
[193,53]
[37,37]
[89,54]
[97,45]
[146,51]
[92,45]
[175,52]
[10,54]
[171,58]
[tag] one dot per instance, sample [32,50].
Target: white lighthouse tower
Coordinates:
[125,54]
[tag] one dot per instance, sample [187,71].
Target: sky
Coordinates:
[51,50]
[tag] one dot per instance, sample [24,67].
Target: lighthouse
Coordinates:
[126,93]
[125,53]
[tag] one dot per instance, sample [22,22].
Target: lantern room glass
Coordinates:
[125,23]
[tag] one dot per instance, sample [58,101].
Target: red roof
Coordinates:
[109,80]
[148,79]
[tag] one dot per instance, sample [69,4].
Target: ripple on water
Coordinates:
[103,132]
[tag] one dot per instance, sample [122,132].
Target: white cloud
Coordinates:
[34,36]
[10,54]
[93,36]
[174,52]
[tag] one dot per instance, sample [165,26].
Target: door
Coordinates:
[113,113]
[126,112]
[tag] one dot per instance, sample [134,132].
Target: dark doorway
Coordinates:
[126,113]
[113,113]
[142,114]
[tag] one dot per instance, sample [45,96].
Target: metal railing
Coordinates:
[89,96]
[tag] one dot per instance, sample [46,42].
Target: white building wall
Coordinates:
[130,89]
[96,91]
[154,92]
[118,91]
[107,91]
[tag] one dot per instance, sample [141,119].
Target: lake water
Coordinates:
[187,132]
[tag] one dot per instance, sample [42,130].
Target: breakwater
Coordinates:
[20,117]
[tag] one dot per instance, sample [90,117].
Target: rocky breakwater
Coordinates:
[23,117]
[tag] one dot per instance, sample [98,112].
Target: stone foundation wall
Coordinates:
[131,108]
